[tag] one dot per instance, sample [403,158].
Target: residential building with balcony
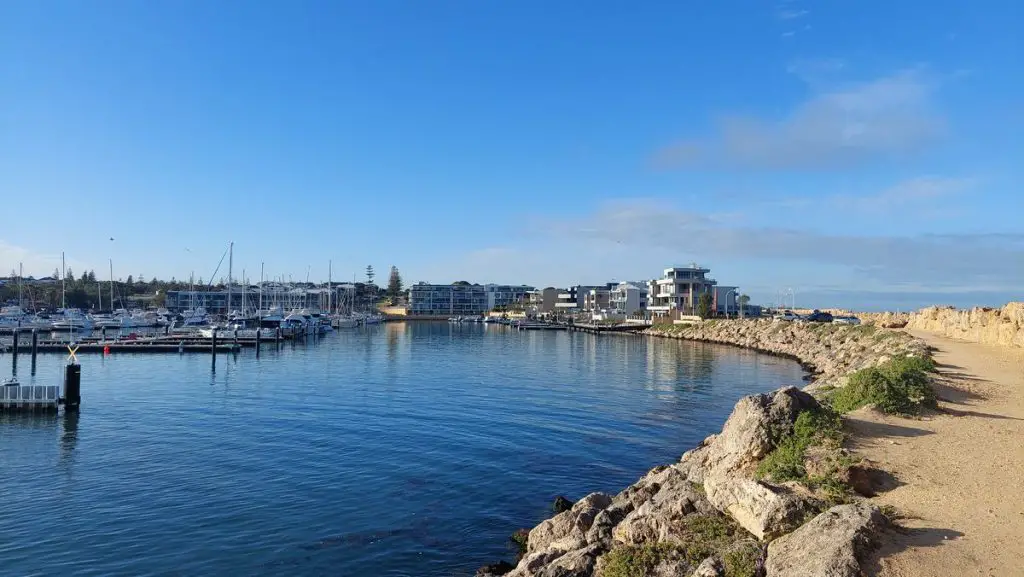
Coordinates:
[582,297]
[505,296]
[678,290]
[542,300]
[629,298]
[448,299]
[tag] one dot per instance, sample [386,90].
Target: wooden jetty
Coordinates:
[598,329]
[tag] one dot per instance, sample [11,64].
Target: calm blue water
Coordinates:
[403,449]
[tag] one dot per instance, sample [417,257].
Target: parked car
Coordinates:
[818,317]
[787,315]
[846,320]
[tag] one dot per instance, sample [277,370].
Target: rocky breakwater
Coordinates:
[1003,326]
[774,494]
[830,351]
[886,320]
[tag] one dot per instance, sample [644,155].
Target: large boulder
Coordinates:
[660,518]
[567,531]
[765,510]
[751,432]
[833,544]
[724,464]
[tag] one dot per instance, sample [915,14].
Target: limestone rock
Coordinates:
[711,567]
[766,511]
[567,531]
[833,544]
[495,569]
[561,505]
[660,517]
[750,433]
[1004,326]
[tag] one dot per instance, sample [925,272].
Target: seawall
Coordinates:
[1002,326]
[829,351]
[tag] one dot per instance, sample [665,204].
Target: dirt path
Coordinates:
[959,474]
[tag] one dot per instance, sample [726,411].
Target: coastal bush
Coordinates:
[742,561]
[636,560]
[898,386]
[702,536]
[819,426]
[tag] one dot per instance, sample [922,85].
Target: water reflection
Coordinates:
[68,439]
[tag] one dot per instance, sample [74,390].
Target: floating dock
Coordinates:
[29,397]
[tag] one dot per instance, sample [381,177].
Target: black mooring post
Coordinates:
[35,348]
[72,386]
[213,348]
[258,331]
[14,351]
[277,337]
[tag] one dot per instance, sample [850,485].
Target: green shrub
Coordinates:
[742,561]
[899,386]
[634,560]
[812,427]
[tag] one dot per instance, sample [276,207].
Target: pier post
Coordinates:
[236,336]
[72,386]
[14,350]
[103,333]
[213,348]
[258,331]
[277,337]
[35,348]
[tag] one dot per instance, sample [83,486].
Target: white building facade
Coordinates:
[679,290]
[629,298]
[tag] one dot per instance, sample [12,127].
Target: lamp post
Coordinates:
[731,291]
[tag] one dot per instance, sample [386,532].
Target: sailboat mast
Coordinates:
[330,300]
[63,278]
[111,284]
[21,274]
[231,262]
[245,289]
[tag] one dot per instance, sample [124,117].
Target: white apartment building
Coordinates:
[629,297]
[679,289]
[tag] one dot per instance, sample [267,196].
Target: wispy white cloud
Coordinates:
[34,263]
[920,192]
[791,13]
[892,116]
[993,261]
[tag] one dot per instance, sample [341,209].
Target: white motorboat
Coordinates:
[72,319]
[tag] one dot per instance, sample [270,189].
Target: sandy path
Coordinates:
[960,472]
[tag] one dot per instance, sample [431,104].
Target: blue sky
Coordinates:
[861,153]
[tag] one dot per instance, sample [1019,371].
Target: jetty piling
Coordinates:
[258,331]
[72,386]
[35,348]
[14,353]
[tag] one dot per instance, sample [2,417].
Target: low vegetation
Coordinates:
[703,536]
[816,438]
[899,386]
[520,539]
[812,427]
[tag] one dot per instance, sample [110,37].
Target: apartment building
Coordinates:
[542,300]
[504,296]
[448,299]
